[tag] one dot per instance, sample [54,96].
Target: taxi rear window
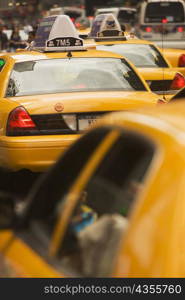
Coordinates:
[72,75]
[141,55]
[126,15]
[172,11]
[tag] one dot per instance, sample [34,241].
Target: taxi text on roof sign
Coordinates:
[106,26]
[57,33]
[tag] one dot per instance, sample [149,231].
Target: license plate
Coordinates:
[85,122]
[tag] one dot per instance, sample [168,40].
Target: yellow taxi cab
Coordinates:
[53,92]
[145,55]
[117,195]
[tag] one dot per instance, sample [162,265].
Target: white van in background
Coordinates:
[73,12]
[125,15]
[162,21]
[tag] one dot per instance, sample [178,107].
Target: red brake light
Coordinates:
[164,21]
[77,25]
[148,29]
[178,82]
[180,29]
[181,62]
[18,120]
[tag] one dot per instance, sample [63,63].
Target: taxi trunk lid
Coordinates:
[85,101]
[71,113]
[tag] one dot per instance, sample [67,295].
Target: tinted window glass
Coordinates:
[119,177]
[105,205]
[108,196]
[126,16]
[172,11]
[55,184]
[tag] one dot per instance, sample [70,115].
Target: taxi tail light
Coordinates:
[148,29]
[181,62]
[19,120]
[77,25]
[180,29]
[178,82]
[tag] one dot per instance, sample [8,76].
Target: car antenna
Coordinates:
[164,21]
[69,54]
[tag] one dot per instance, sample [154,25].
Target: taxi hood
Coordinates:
[86,101]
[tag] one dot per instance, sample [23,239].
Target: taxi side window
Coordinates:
[119,177]
[55,184]
[101,216]
[39,215]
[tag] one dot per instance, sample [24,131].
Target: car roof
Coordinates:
[35,55]
[169,119]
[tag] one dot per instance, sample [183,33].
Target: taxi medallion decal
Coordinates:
[59,107]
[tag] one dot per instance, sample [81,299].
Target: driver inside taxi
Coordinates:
[93,240]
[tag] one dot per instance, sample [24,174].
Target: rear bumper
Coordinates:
[34,153]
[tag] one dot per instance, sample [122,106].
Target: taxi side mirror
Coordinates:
[7,211]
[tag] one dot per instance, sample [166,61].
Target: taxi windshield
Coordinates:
[141,55]
[72,75]
[126,15]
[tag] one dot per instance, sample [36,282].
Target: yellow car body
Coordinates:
[37,152]
[155,76]
[173,56]
[152,244]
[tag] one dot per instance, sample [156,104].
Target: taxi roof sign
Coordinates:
[57,33]
[106,26]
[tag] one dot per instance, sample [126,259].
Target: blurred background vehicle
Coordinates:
[171,33]
[162,21]
[73,12]
[125,15]
[145,55]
